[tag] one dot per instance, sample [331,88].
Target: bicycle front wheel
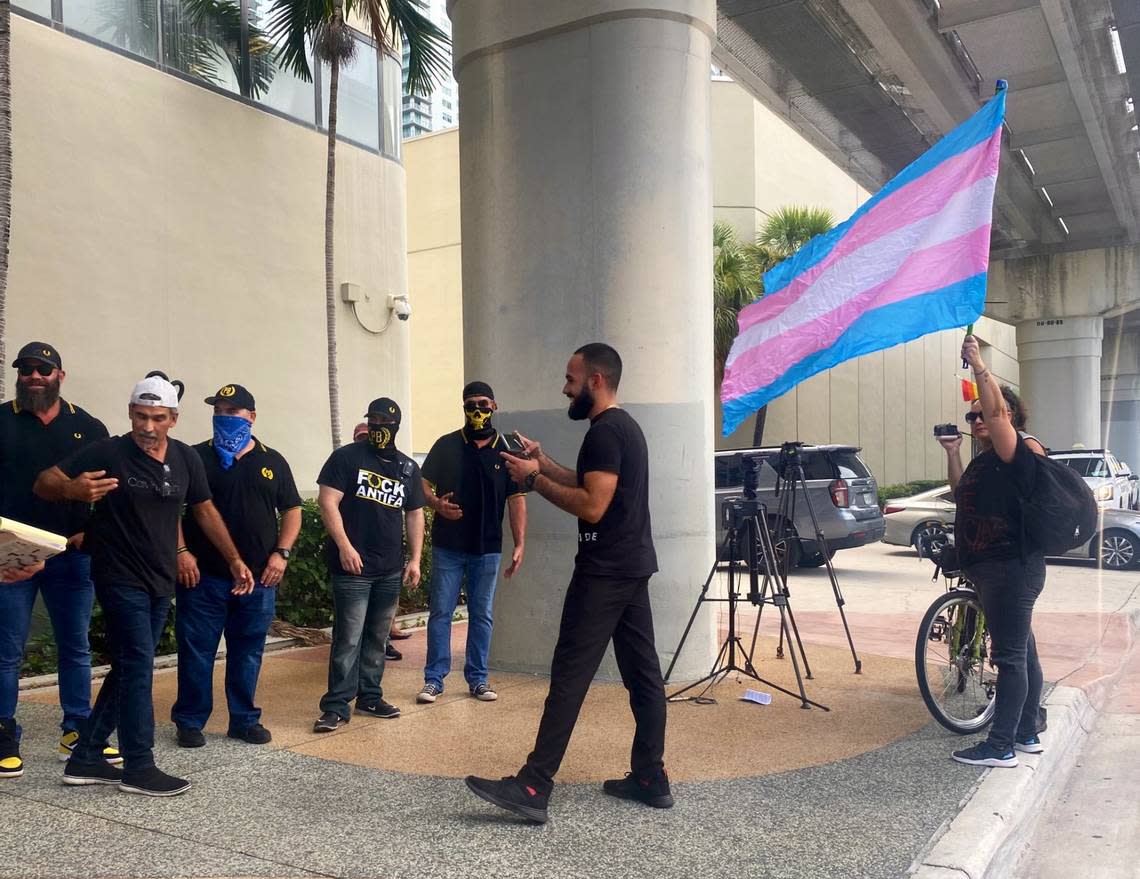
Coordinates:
[953,660]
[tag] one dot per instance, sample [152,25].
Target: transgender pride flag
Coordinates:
[910,261]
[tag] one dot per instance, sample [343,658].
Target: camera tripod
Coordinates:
[745,530]
[790,480]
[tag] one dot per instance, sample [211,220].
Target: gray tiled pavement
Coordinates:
[256,812]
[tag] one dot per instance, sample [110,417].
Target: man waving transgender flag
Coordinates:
[910,261]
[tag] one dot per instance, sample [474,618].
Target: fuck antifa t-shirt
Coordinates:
[377,492]
[620,545]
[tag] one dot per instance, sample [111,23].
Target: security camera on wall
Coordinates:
[400,305]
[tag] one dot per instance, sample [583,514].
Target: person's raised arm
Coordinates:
[55,485]
[328,499]
[549,468]
[210,521]
[1003,435]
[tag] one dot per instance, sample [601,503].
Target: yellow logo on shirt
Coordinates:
[266,472]
[77,435]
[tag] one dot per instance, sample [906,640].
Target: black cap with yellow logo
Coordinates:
[40,351]
[384,409]
[233,395]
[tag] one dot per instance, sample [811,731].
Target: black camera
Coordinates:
[946,430]
[750,464]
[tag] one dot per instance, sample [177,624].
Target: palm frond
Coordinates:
[429,48]
[790,228]
[290,23]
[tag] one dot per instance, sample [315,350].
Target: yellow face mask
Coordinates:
[478,417]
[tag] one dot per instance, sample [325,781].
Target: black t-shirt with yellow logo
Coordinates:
[249,495]
[377,492]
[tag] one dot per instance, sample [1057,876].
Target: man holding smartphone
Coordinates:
[467,485]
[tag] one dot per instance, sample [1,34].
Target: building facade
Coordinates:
[425,113]
[167,215]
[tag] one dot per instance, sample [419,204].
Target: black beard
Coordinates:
[581,406]
[37,401]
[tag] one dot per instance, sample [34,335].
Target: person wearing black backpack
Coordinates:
[1007,568]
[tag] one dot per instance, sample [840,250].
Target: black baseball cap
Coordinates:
[41,351]
[235,395]
[385,408]
[478,389]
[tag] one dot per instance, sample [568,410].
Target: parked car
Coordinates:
[843,494]
[1135,480]
[1113,485]
[1116,543]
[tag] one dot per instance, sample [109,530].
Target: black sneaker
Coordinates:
[511,794]
[78,773]
[1029,745]
[381,709]
[11,766]
[153,782]
[651,791]
[484,693]
[985,754]
[329,721]
[254,735]
[190,737]
[392,654]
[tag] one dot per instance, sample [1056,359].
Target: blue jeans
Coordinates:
[1008,590]
[65,583]
[204,613]
[363,608]
[135,620]
[448,570]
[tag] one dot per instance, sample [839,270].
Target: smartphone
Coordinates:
[515,445]
[946,430]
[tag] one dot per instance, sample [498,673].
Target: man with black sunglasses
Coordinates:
[467,485]
[138,483]
[38,429]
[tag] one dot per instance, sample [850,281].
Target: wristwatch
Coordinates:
[283,552]
[530,479]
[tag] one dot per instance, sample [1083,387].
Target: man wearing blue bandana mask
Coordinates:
[254,491]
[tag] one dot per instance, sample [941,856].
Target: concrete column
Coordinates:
[1060,379]
[587,216]
[1120,396]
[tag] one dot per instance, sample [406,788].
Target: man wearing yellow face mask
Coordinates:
[467,486]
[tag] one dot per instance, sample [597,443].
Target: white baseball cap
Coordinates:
[155,391]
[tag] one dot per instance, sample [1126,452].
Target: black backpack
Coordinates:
[1060,513]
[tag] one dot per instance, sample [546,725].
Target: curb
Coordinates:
[416,621]
[987,837]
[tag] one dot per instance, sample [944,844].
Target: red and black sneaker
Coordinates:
[653,791]
[511,794]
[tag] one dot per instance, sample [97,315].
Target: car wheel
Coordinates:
[1119,550]
[931,535]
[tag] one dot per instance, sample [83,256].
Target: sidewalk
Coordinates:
[764,791]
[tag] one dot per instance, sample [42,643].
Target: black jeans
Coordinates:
[1008,590]
[597,609]
[135,620]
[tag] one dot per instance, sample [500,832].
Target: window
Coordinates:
[727,471]
[849,465]
[36,7]
[203,40]
[358,103]
[130,25]
[390,105]
[271,84]
[1088,467]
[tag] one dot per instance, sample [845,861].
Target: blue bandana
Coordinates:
[231,435]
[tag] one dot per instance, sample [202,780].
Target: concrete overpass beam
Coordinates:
[1060,379]
[587,216]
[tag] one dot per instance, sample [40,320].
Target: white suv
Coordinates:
[1112,484]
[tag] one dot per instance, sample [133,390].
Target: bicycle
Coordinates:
[953,655]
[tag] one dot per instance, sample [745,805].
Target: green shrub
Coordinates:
[304,597]
[906,489]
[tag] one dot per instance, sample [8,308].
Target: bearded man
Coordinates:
[39,429]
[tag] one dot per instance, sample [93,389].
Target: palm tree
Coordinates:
[738,271]
[5,166]
[293,23]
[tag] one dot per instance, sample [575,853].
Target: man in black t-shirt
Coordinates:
[251,485]
[608,595]
[368,492]
[138,483]
[468,486]
[38,429]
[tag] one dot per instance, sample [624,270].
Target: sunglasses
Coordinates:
[43,369]
[971,417]
[472,406]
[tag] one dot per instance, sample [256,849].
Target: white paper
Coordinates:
[756,696]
